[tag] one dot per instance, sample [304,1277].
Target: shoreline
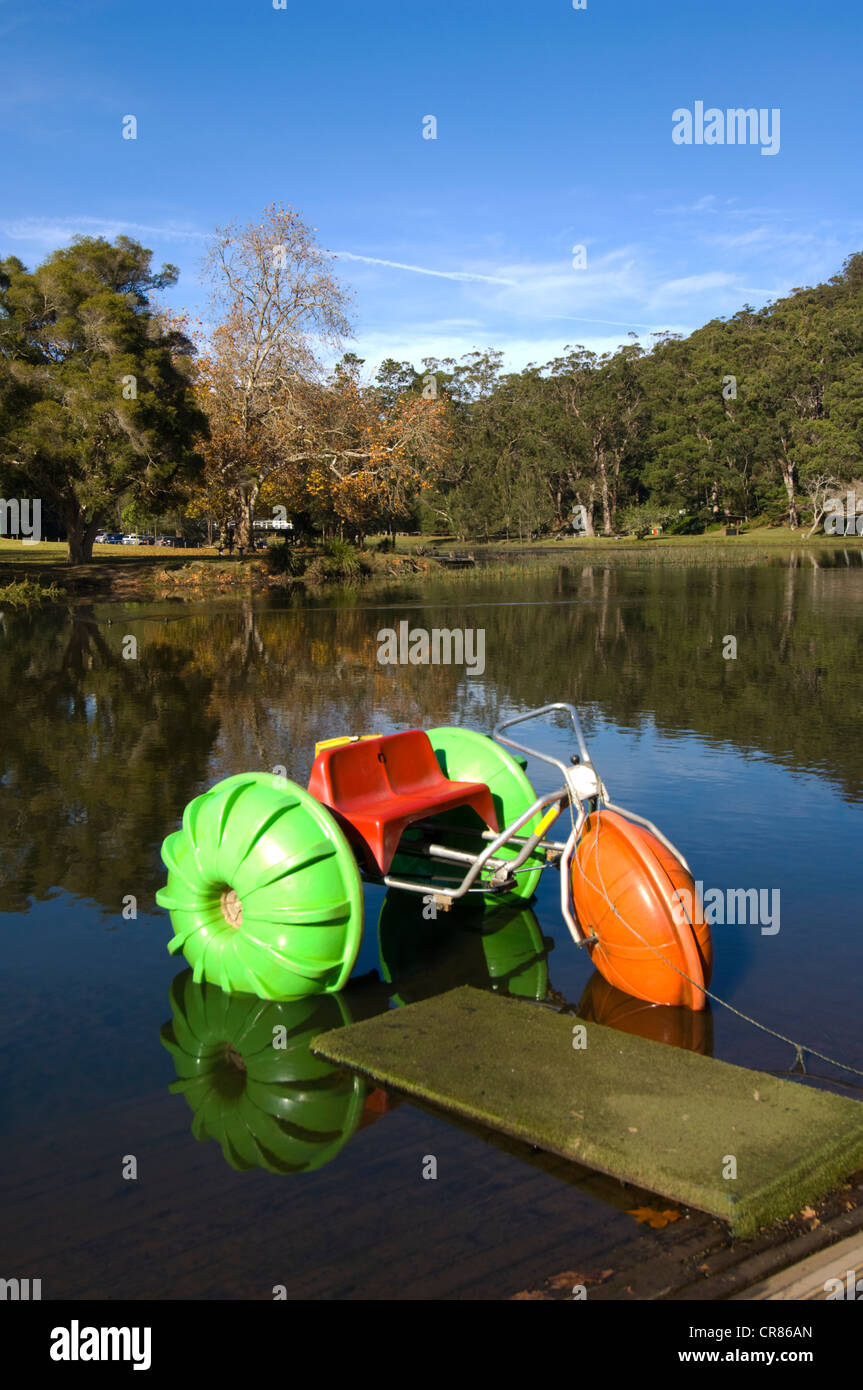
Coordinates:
[148,574]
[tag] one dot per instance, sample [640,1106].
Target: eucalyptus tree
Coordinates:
[277,304]
[462,499]
[703,451]
[394,379]
[603,405]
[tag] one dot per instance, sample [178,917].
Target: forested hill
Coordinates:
[758,415]
[113,412]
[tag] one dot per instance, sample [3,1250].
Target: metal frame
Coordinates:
[582,791]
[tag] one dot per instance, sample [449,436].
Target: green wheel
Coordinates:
[467,756]
[263,890]
[247,1073]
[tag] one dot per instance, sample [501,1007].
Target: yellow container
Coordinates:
[346,738]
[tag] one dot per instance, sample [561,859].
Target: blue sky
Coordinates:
[554,130]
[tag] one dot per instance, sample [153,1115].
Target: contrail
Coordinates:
[489,280]
[423,270]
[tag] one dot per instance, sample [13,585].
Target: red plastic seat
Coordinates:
[379,786]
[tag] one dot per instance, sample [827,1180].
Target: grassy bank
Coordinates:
[766,540]
[147,571]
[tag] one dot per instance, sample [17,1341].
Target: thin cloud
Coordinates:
[765,236]
[55,231]
[508,300]
[754,237]
[713,282]
[696,284]
[705,204]
[413,344]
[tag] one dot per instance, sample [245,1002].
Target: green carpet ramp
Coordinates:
[662,1118]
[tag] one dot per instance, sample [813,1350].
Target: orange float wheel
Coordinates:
[625,884]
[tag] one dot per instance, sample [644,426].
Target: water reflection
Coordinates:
[603,1003]
[503,950]
[245,1065]
[102,752]
[247,1072]
[98,751]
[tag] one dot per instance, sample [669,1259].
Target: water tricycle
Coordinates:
[265,878]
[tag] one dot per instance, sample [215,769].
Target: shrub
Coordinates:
[686,526]
[340,563]
[640,519]
[281,558]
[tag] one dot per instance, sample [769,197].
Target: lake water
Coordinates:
[253,1173]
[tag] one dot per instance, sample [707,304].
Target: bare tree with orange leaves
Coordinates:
[279,428]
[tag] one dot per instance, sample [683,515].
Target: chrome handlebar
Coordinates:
[567,771]
[533,752]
